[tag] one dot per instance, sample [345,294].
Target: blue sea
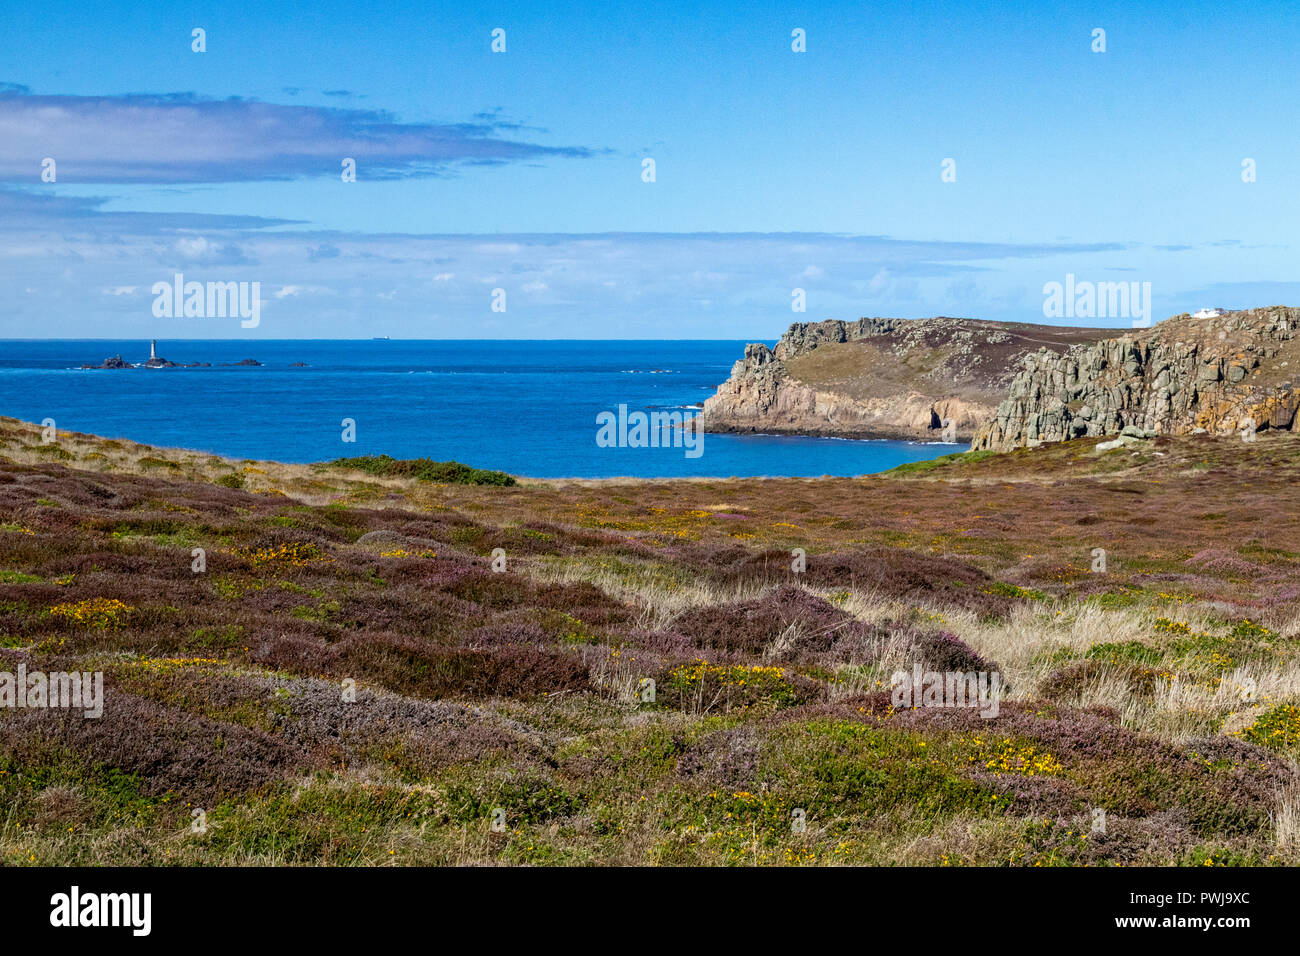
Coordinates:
[526,407]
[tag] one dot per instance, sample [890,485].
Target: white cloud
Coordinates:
[193,248]
[626,285]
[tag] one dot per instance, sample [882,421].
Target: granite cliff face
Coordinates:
[1185,375]
[881,377]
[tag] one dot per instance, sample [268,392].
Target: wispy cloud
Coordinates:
[24,211]
[76,266]
[334,283]
[183,138]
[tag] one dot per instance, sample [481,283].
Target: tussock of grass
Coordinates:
[941,463]
[424,469]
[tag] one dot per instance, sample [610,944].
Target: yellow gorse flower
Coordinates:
[294,554]
[105,613]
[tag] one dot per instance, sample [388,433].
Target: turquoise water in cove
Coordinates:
[528,408]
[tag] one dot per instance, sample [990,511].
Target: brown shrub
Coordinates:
[410,666]
[750,626]
[168,750]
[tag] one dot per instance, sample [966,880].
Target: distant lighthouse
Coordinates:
[154,360]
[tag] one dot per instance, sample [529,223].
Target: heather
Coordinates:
[376,665]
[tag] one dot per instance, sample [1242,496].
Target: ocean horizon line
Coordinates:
[373,338]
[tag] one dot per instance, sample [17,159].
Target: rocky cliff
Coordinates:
[1185,375]
[881,377]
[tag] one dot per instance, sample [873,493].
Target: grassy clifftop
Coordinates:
[969,359]
[882,378]
[1164,690]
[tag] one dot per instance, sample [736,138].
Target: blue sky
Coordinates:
[521,170]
